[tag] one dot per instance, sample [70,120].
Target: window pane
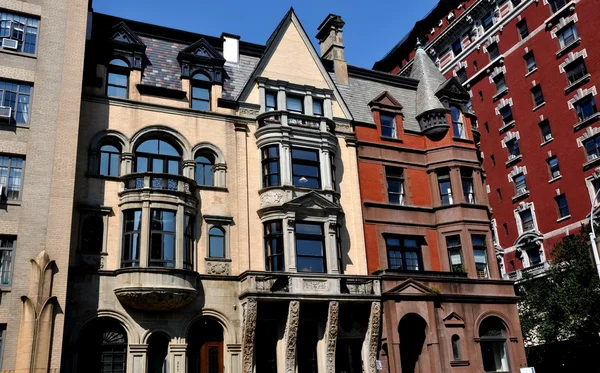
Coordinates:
[315,229]
[309,264]
[294,103]
[309,247]
[217,246]
[116,92]
[317,107]
[200,93]
[117,79]
[308,155]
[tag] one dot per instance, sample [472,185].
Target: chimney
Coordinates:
[231,48]
[332,46]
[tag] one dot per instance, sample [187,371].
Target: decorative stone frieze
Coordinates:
[291,336]
[218,268]
[331,332]
[372,338]
[249,309]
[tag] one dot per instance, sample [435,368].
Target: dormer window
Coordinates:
[200,92]
[295,104]
[270,101]
[388,126]
[117,82]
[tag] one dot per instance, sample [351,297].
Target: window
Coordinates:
[23,30]
[538,96]
[2,339]
[455,254]
[493,51]
[270,165]
[162,238]
[533,253]
[318,107]
[592,148]
[556,5]
[527,222]
[110,160]
[480,254]
[520,184]
[188,242]
[545,130]
[395,185]
[305,168]
[506,113]
[388,125]
[404,253]
[200,92]
[456,347]
[596,187]
[204,170]
[270,101]
[487,21]
[11,176]
[274,246]
[461,75]
[457,47]
[132,221]
[513,149]
[494,353]
[467,184]
[102,347]
[216,242]
[295,104]
[457,122]
[157,156]
[310,247]
[499,194]
[567,35]
[445,187]
[118,79]
[575,71]
[522,28]
[333,171]
[563,207]
[530,62]
[586,107]
[500,83]
[7,248]
[16,96]
[554,168]
[92,234]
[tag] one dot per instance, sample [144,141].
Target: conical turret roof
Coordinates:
[430,78]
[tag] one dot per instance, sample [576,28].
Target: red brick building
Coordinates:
[531,68]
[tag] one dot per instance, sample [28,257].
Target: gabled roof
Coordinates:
[271,47]
[385,99]
[122,34]
[202,49]
[454,320]
[412,288]
[453,88]
[311,200]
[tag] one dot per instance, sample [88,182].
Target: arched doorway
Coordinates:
[158,352]
[494,352]
[205,347]
[102,347]
[412,330]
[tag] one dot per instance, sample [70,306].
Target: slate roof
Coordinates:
[162,68]
[238,76]
[430,79]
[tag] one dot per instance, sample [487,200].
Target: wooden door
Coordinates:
[211,357]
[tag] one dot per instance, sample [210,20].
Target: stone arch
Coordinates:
[219,164]
[209,148]
[132,335]
[413,330]
[201,73]
[499,315]
[101,138]
[178,140]
[229,335]
[168,332]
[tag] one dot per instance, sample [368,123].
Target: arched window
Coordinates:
[157,156]
[457,122]
[92,232]
[200,99]
[110,160]
[216,242]
[492,334]
[158,351]
[204,170]
[117,82]
[103,348]
[456,347]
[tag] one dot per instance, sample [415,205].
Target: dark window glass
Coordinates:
[586,107]
[273,234]
[7,254]
[333,171]
[395,185]
[538,96]
[92,234]
[404,253]
[500,83]
[305,168]
[118,79]
[456,347]
[204,170]
[270,165]
[554,167]
[506,113]
[545,130]
[162,238]
[455,253]
[310,248]
[567,36]
[563,207]
[388,125]
[22,30]
[318,107]
[480,254]
[11,177]
[157,156]
[445,187]
[592,148]
[295,104]
[527,220]
[457,47]
[576,71]
[492,334]
[523,30]
[216,242]
[466,176]
[461,75]
[270,101]
[534,255]
[16,96]
[493,51]
[530,62]
[513,148]
[458,126]
[200,92]
[520,184]
[110,160]
[487,21]
[557,4]
[132,221]
[188,242]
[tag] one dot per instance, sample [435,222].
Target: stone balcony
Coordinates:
[171,188]
[155,289]
[535,270]
[287,118]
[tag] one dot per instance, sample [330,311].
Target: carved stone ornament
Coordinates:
[315,285]
[331,334]
[271,198]
[291,335]
[218,268]
[247,112]
[155,299]
[250,308]
[372,337]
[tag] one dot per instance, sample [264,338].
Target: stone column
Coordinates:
[137,357]
[325,170]
[179,240]
[290,337]
[126,163]
[371,343]
[249,309]
[331,333]
[331,254]
[177,357]
[290,238]
[145,238]
[233,352]
[456,185]
[243,212]
[189,168]
[285,164]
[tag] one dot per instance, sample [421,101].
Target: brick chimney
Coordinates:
[332,46]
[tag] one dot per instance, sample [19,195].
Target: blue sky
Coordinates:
[372,27]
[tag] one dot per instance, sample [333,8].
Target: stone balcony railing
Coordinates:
[287,118]
[166,184]
[531,271]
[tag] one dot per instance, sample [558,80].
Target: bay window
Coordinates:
[188,242]
[480,255]
[306,168]
[273,234]
[466,176]
[445,187]
[162,238]
[295,104]
[132,229]
[310,247]
[270,101]
[455,253]
[270,166]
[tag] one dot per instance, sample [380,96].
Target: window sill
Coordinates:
[459,363]
[505,127]
[573,86]
[563,218]
[547,141]
[535,108]
[516,159]
[391,139]
[531,72]
[4,126]
[586,122]
[554,179]
[27,55]
[498,95]
[520,196]
[225,260]
[462,139]
[591,163]
[13,202]
[567,48]
[213,188]
[559,13]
